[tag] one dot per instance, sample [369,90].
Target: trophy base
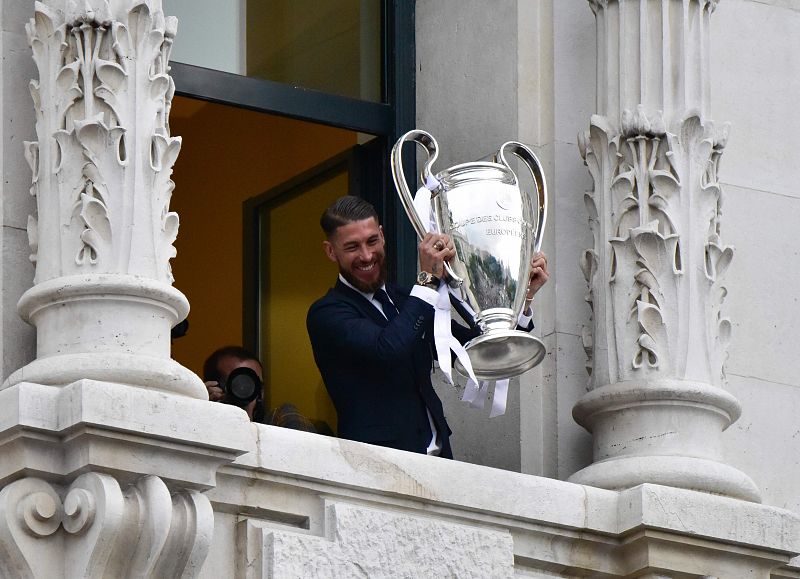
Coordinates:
[500,354]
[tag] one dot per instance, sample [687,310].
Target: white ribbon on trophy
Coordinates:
[475,392]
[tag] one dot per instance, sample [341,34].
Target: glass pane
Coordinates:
[332,46]
[211,33]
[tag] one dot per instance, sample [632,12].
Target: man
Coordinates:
[374,353]
[219,366]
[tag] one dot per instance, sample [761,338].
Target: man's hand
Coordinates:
[434,250]
[215,393]
[539,274]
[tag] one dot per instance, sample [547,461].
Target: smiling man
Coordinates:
[372,341]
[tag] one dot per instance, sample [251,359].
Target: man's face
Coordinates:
[358,248]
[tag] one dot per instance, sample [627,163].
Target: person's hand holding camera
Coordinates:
[240,387]
[215,392]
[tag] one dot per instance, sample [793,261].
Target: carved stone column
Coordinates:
[107,442]
[102,300]
[657,404]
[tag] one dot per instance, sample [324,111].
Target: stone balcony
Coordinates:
[303,505]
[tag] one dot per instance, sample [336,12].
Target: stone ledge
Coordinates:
[791,571]
[288,486]
[435,480]
[708,516]
[58,432]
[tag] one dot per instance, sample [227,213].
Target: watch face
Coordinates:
[424,277]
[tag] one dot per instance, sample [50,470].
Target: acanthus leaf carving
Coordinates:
[103,94]
[32,230]
[32,157]
[589,265]
[599,147]
[96,237]
[163,156]
[654,192]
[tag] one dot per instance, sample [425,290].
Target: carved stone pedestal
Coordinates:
[666,433]
[105,480]
[87,529]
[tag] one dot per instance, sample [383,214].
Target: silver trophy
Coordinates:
[496,228]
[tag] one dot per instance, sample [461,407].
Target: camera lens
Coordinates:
[243,386]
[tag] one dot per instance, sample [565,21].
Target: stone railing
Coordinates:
[302,505]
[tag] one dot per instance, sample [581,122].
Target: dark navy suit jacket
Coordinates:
[378,373]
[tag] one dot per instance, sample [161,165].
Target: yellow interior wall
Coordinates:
[295,278]
[229,155]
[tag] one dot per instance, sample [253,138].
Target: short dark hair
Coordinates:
[211,365]
[345,210]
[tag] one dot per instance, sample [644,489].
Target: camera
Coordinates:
[242,387]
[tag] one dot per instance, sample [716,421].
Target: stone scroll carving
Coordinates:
[102,164]
[86,530]
[658,260]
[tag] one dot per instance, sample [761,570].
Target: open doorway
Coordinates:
[283,172]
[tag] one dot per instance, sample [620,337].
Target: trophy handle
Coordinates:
[432,148]
[535,167]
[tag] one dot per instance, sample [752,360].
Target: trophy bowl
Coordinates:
[503,354]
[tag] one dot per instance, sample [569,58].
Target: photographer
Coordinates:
[234,376]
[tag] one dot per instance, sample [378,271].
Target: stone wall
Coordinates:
[755,84]
[16,270]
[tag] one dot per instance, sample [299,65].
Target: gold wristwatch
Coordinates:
[427,279]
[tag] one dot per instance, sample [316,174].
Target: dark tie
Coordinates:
[388,307]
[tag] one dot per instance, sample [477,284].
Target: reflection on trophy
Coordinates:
[496,228]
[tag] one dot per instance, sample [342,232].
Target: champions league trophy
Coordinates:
[495,228]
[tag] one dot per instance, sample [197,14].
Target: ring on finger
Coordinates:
[439,246]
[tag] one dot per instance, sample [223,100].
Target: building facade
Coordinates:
[659,437]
